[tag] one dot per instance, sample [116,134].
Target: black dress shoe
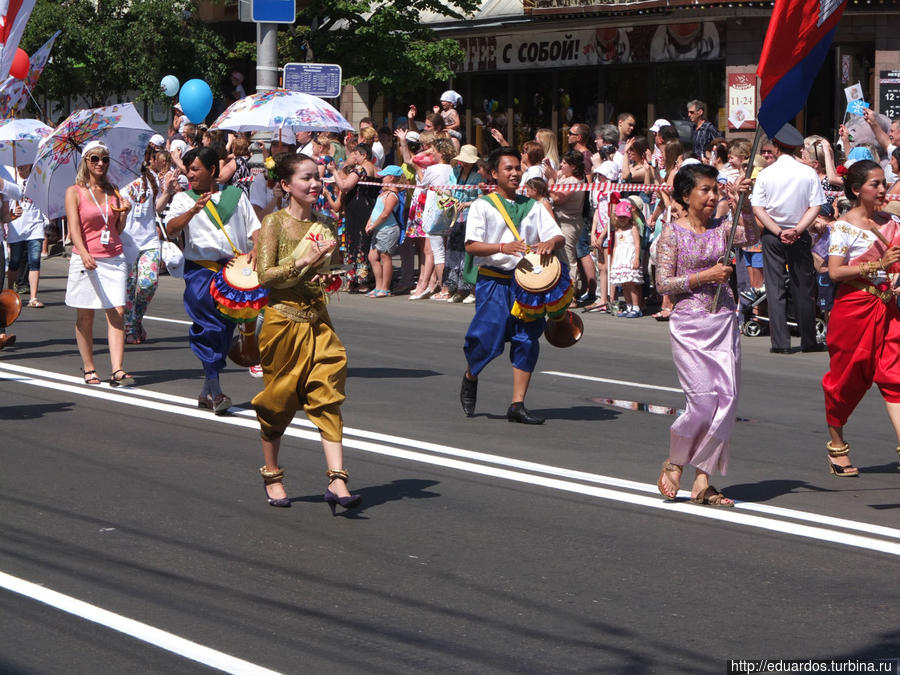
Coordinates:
[780,350]
[519,413]
[468,394]
[818,347]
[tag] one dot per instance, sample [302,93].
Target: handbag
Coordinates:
[173,258]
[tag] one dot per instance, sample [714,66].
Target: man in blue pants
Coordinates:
[497,248]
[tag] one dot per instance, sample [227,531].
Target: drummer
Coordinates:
[497,251]
[207,248]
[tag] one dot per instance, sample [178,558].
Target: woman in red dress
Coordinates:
[864,327]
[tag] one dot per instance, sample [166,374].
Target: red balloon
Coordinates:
[20,65]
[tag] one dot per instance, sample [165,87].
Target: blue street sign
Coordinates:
[274,11]
[319,79]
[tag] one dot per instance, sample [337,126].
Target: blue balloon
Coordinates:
[170,85]
[196,100]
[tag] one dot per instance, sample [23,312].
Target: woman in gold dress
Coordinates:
[304,363]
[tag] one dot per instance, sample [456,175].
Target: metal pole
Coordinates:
[266,56]
[735,219]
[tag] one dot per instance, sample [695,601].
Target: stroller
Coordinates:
[754,325]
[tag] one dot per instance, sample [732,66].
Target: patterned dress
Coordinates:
[706,343]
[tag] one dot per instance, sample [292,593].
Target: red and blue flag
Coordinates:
[797,42]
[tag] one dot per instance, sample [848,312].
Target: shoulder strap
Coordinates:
[497,201]
[213,212]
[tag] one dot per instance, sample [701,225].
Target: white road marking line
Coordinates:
[179,321]
[625,383]
[734,516]
[140,631]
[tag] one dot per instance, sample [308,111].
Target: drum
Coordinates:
[245,346]
[236,290]
[564,331]
[10,306]
[536,278]
[541,290]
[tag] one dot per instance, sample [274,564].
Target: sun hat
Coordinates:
[391,170]
[624,208]
[467,154]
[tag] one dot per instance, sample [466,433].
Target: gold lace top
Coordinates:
[279,237]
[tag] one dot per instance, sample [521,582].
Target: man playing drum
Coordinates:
[218,226]
[497,250]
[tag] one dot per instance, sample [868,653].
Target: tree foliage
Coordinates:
[382,43]
[110,47]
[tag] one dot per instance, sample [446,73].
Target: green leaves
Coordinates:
[108,48]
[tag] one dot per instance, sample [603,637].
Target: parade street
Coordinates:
[135,536]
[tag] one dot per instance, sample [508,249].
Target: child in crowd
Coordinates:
[626,258]
[449,100]
[536,189]
[384,226]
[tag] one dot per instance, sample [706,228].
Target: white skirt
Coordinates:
[101,288]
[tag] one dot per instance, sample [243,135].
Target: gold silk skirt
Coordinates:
[304,365]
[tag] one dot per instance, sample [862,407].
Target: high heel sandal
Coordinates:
[332,499]
[270,477]
[898,452]
[837,469]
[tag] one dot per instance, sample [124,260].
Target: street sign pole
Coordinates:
[267,14]
[266,56]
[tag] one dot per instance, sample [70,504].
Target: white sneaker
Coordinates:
[469,299]
[256,371]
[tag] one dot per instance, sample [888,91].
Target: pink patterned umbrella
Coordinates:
[119,127]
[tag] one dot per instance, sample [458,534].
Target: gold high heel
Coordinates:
[837,469]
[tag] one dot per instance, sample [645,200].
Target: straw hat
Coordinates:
[467,154]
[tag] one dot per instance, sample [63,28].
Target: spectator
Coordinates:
[580,139]
[702,130]
[786,200]
[568,205]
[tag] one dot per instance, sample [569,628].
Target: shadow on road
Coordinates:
[767,490]
[376,495]
[33,412]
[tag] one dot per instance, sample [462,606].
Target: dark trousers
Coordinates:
[798,259]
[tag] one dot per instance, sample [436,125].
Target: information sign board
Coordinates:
[318,79]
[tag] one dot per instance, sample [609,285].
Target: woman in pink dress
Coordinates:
[98,272]
[706,344]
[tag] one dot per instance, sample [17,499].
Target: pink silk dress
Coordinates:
[706,345]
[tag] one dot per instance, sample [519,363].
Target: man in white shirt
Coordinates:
[211,236]
[497,251]
[786,201]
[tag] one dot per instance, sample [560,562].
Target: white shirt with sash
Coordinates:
[486,224]
[204,239]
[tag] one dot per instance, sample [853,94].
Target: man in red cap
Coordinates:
[786,201]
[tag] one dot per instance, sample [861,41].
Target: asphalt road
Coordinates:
[481,546]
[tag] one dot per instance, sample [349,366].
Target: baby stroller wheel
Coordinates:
[751,328]
[821,330]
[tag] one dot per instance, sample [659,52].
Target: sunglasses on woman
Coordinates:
[93,159]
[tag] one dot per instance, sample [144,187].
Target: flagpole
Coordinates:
[735,219]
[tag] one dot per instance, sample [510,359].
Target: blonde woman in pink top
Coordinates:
[97,272]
